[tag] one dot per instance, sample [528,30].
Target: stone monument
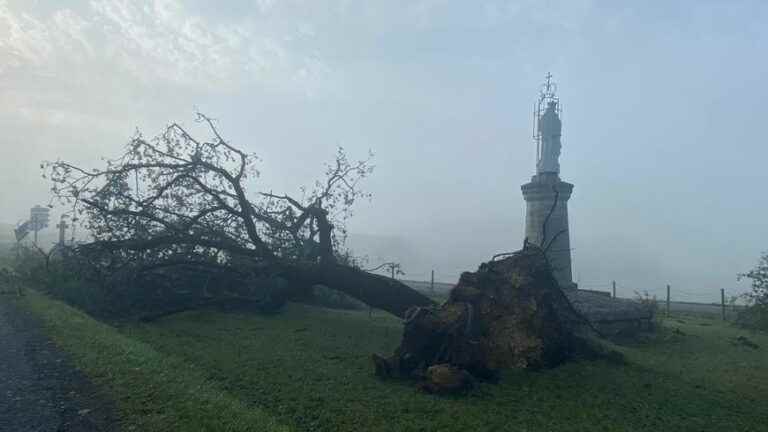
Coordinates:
[546,196]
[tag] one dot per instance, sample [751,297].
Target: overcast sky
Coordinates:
[663,123]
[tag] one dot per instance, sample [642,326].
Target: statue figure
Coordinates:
[549,127]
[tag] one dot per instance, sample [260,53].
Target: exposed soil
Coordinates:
[510,313]
[40,390]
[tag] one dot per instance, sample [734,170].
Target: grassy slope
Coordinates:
[153,391]
[310,367]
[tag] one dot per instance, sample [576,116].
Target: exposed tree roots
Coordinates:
[510,313]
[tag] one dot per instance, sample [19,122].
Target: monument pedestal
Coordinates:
[540,195]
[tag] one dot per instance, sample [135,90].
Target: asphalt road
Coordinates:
[40,390]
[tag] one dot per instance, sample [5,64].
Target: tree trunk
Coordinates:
[376,291]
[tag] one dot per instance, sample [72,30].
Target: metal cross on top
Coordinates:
[548,89]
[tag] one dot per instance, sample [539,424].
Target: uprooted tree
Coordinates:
[178,221]
[510,313]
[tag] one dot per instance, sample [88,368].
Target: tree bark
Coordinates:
[376,291]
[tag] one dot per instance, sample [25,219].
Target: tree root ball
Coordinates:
[510,313]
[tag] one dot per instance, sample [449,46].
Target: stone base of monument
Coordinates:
[510,313]
[611,316]
[546,221]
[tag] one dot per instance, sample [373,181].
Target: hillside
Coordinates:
[309,369]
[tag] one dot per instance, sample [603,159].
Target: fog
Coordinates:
[663,105]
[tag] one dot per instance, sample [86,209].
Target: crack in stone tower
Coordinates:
[546,196]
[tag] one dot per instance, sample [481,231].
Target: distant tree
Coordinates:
[179,209]
[756,314]
[759,278]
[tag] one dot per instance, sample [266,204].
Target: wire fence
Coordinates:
[443,276]
[715,301]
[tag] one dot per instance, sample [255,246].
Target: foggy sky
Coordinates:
[662,125]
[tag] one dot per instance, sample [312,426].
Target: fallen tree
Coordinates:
[174,225]
[510,313]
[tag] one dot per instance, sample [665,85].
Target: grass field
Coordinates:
[309,369]
[153,391]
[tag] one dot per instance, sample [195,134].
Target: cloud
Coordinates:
[23,39]
[27,40]
[117,64]
[160,40]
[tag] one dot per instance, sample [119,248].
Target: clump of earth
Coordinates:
[510,313]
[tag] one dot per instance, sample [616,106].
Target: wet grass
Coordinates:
[153,391]
[309,368]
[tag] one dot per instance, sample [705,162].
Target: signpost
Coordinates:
[38,218]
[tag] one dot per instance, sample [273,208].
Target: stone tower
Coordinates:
[546,196]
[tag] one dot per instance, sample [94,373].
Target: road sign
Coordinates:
[39,217]
[22,231]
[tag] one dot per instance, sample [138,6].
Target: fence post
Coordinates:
[667,299]
[722,301]
[614,289]
[432,283]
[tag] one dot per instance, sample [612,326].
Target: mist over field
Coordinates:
[663,106]
[383,215]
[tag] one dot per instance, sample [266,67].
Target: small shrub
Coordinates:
[651,304]
[755,315]
[54,274]
[647,301]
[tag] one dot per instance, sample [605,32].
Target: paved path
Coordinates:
[39,389]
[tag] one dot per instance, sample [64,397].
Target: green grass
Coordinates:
[310,369]
[153,391]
